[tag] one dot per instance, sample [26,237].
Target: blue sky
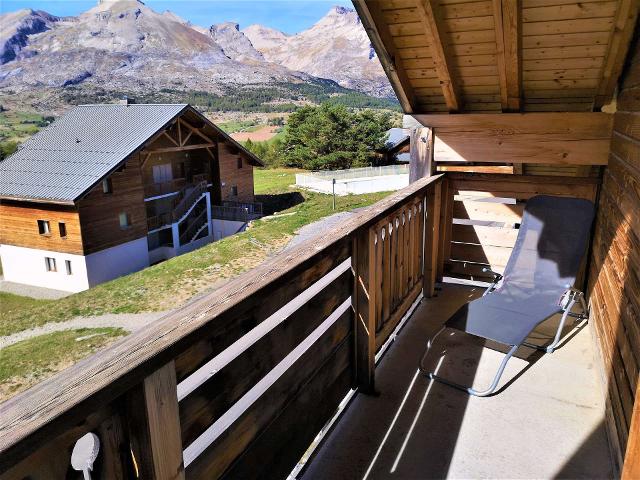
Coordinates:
[289,16]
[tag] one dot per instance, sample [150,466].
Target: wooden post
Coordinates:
[445,227]
[431,240]
[364,308]
[154,426]
[421,162]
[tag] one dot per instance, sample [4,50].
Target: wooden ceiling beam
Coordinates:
[428,12]
[619,41]
[371,17]
[507,21]
[179,149]
[196,130]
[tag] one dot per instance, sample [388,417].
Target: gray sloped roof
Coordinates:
[396,137]
[64,160]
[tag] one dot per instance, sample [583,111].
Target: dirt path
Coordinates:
[128,321]
[260,135]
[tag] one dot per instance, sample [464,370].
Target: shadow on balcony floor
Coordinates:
[547,423]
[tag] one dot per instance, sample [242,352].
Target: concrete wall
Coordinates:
[117,261]
[27,265]
[353,186]
[226,228]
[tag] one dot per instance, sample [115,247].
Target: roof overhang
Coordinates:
[495,56]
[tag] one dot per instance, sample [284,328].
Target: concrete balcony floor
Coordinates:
[548,422]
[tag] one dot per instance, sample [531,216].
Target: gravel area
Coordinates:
[128,321]
[318,228]
[40,293]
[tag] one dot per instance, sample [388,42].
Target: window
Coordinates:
[162,173]
[107,187]
[67,263]
[43,227]
[125,220]
[50,264]
[63,229]
[239,162]
[234,190]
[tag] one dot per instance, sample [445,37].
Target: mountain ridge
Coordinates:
[125,46]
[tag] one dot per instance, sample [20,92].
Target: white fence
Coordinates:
[356,180]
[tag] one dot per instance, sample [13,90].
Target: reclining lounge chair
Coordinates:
[537,283]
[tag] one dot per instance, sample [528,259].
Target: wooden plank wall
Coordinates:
[614,276]
[231,175]
[19,226]
[486,213]
[542,138]
[99,212]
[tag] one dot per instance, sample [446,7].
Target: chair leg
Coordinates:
[469,390]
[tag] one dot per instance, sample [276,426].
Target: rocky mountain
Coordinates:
[15,28]
[234,43]
[336,47]
[123,46]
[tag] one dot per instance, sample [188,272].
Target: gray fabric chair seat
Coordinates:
[543,265]
[513,313]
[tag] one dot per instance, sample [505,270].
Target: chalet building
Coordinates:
[107,190]
[396,148]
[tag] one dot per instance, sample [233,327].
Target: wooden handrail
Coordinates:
[84,396]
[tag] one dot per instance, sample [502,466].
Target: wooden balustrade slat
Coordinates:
[209,401]
[230,445]
[401,253]
[395,262]
[420,234]
[386,272]
[407,250]
[377,236]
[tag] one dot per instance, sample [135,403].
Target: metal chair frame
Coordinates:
[568,301]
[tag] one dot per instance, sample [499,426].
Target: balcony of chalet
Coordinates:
[307,366]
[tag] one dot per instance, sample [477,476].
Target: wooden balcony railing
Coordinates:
[155,189]
[238,383]
[157,221]
[237,211]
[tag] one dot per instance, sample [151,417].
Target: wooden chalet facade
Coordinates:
[77,212]
[239,383]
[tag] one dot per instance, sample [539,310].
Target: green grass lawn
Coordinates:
[16,127]
[233,126]
[172,283]
[26,363]
[274,180]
